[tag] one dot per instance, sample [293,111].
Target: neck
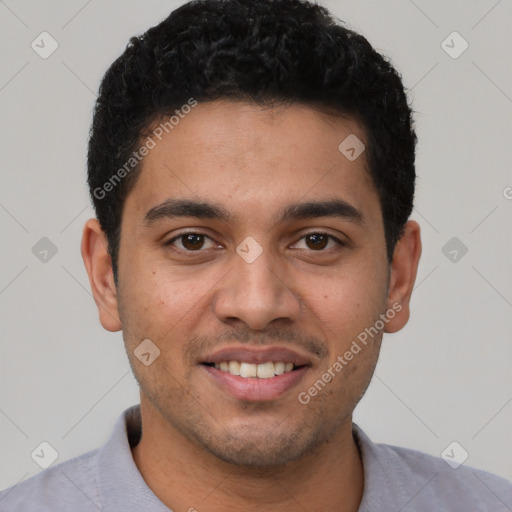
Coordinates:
[185,476]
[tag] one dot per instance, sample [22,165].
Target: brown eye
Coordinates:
[320,242]
[192,241]
[317,241]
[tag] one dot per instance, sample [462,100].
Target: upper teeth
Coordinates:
[263,370]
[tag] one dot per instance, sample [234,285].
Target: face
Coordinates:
[249,237]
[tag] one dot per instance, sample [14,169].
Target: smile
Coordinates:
[265,370]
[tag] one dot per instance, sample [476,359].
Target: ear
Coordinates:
[404,267]
[101,278]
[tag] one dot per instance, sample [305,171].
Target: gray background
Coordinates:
[446,377]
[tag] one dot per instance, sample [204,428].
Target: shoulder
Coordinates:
[70,485]
[426,481]
[405,479]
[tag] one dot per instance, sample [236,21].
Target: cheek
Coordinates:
[160,305]
[345,303]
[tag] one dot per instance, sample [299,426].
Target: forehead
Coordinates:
[251,157]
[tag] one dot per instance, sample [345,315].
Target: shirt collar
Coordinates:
[122,487]
[380,488]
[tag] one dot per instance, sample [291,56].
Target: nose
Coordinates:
[256,294]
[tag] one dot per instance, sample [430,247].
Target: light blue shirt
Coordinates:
[395,479]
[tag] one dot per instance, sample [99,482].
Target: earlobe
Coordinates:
[404,268]
[99,269]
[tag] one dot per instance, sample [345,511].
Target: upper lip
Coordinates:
[257,355]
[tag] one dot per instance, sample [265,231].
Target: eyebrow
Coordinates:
[177,208]
[329,208]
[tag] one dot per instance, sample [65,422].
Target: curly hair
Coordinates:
[260,51]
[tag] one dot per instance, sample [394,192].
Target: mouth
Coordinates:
[267,370]
[250,374]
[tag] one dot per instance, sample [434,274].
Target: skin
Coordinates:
[201,447]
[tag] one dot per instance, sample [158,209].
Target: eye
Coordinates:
[319,241]
[191,242]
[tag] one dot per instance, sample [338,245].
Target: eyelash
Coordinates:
[340,243]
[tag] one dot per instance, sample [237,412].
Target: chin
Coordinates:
[254,455]
[254,449]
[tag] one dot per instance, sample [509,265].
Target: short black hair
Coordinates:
[261,51]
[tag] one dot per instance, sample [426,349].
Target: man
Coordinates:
[251,163]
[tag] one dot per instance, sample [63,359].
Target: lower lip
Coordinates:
[254,389]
